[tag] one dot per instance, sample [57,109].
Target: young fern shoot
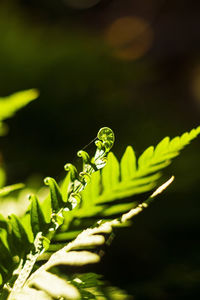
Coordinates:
[43,224]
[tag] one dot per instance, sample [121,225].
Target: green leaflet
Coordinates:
[38,223]
[128,164]
[26,222]
[110,173]
[56,197]
[17,228]
[20,238]
[145,157]
[46,209]
[91,192]
[64,187]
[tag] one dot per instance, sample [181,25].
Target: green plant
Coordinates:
[8,107]
[76,218]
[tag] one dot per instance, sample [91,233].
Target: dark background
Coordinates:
[133,66]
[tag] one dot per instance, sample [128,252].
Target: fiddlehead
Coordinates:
[44,223]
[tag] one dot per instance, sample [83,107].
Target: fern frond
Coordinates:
[143,175]
[153,160]
[90,193]
[29,237]
[119,180]
[78,253]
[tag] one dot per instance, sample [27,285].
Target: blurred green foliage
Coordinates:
[8,107]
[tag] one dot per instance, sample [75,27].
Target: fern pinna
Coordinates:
[51,232]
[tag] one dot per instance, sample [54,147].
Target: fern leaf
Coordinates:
[64,187]
[128,164]
[110,173]
[9,105]
[56,196]
[164,152]
[20,238]
[133,177]
[38,223]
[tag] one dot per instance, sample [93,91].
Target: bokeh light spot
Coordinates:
[130,37]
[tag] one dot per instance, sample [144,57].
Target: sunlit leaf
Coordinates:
[10,104]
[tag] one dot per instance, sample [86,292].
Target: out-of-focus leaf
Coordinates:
[2,178]
[10,188]
[10,104]
[55,286]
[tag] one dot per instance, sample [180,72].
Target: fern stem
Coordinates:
[31,259]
